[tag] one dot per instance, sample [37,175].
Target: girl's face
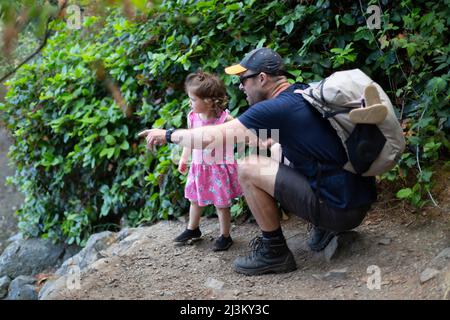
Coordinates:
[199,105]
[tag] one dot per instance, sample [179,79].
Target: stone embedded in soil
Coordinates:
[4,285]
[428,274]
[331,249]
[214,284]
[22,288]
[336,274]
[384,241]
[442,260]
[340,244]
[29,257]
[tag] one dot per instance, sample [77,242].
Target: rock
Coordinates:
[336,274]
[213,260]
[384,241]
[22,288]
[124,233]
[91,257]
[137,234]
[340,244]
[98,265]
[127,239]
[50,287]
[97,243]
[331,249]
[428,274]
[16,237]
[100,241]
[317,276]
[29,257]
[442,260]
[214,284]
[70,251]
[446,285]
[4,285]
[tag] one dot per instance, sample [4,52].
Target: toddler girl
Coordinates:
[212,179]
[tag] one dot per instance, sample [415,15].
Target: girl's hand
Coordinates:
[182,167]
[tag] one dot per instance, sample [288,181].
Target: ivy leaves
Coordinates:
[75,112]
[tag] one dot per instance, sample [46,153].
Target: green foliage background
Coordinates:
[79,161]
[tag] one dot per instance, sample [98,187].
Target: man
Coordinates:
[314,186]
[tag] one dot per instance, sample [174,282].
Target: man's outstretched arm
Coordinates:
[208,137]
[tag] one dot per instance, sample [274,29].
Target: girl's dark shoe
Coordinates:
[222,243]
[189,235]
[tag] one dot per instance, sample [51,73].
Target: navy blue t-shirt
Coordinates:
[308,139]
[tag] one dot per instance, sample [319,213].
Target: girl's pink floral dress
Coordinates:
[211,179]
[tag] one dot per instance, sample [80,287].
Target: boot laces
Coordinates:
[255,245]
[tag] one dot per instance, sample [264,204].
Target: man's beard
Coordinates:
[255,98]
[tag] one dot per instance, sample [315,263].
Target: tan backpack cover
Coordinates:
[335,96]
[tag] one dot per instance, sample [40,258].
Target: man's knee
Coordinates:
[259,171]
[246,169]
[251,167]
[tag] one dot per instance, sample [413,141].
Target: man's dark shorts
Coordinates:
[295,195]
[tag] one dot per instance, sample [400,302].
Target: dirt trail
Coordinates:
[399,243]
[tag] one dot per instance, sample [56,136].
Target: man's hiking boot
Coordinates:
[266,256]
[319,239]
[188,236]
[222,243]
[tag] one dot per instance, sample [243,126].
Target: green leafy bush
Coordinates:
[75,112]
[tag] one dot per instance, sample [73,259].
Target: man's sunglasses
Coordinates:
[242,79]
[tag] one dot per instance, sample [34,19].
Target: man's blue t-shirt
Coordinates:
[308,139]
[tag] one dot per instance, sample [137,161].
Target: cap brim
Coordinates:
[236,69]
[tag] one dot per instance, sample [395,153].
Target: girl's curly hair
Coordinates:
[208,86]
